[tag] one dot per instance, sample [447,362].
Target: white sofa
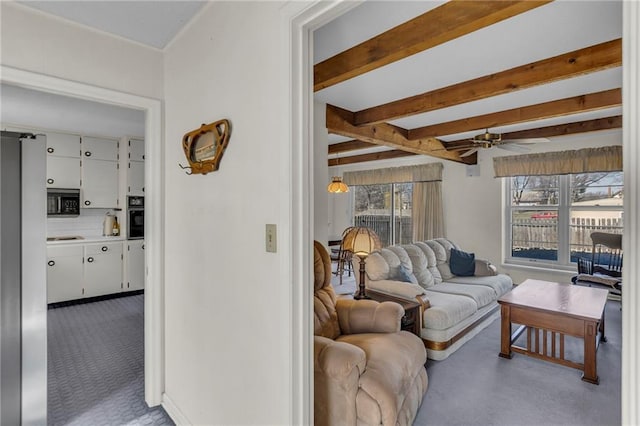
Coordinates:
[455,308]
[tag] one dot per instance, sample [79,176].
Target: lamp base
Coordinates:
[362,292]
[359,296]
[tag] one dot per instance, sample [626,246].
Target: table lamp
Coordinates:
[361,241]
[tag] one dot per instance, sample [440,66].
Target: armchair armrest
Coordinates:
[484,268]
[336,378]
[368,316]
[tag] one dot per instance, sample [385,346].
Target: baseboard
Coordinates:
[93,299]
[173,411]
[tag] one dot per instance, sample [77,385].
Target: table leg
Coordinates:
[602,336]
[505,332]
[590,365]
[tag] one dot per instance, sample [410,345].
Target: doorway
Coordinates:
[153,304]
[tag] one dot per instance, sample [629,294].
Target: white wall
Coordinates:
[321,176]
[228,338]
[36,42]
[473,205]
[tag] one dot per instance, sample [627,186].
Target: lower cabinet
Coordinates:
[135,265]
[76,271]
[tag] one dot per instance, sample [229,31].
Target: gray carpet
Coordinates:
[96,365]
[476,387]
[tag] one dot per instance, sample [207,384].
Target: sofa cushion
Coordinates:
[392,260]
[393,362]
[405,276]
[377,267]
[420,265]
[500,283]
[432,263]
[442,259]
[480,294]
[447,310]
[462,264]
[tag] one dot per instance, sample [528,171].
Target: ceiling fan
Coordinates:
[490,140]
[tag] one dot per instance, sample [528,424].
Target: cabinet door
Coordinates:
[64,273]
[99,184]
[99,149]
[135,265]
[63,172]
[61,145]
[136,149]
[102,269]
[135,178]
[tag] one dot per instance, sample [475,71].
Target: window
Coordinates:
[550,218]
[385,208]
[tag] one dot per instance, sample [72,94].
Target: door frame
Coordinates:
[154,200]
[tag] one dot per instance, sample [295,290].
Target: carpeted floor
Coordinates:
[96,365]
[476,387]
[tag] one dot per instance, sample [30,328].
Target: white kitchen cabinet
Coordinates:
[99,149]
[135,265]
[64,273]
[63,145]
[99,184]
[135,178]
[63,172]
[102,269]
[136,149]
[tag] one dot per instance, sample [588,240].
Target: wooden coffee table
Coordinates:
[555,310]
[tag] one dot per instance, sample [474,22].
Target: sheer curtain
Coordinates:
[428,214]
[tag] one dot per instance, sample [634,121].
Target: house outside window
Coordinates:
[550,219]
[385,208]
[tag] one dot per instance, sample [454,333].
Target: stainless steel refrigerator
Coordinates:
[23,291]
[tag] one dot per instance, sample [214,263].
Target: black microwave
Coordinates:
[63,202]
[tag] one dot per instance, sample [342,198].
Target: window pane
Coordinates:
[584,222]
[403,196]
[597,189]
[534,190]
[372,208]
[534,234]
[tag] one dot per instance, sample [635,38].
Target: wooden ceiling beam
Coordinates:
[352,145]
[584,103]
[583,61]
[440,25]
[374,156]
[387,135]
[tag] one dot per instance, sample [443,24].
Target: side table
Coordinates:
[411,320]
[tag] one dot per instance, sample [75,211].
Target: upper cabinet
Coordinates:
[99,149]
[136,149]
[63,161]
[61,145]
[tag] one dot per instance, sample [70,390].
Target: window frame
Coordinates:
[564,208]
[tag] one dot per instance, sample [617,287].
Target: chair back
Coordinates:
[324,298]
[607,253]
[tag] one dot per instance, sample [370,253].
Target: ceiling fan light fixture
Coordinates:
[337,186]
[487,139]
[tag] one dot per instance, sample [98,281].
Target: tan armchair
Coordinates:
[366,371]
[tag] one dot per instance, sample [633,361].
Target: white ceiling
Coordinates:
[153,23]
[558,27]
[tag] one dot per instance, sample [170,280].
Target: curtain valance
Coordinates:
[604,159]
[421,173]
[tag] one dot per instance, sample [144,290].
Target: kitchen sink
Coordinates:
[65,238]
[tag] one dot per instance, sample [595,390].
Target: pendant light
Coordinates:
[337,186]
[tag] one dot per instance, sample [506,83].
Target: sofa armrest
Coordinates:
[484,268]
[368,316]
[336,379]
[397,288]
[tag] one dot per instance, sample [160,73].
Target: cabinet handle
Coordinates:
[143,247]
[51,263]
[50,150]
[104,248]
[50,181]
[143,156]
[90,259]
[87,154]
[87,203]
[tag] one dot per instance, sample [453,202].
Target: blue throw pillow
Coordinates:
[462,264]
[404,275]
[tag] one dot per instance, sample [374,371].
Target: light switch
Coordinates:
[271,239]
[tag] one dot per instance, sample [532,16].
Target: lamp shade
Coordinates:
[337,186]
[361,241]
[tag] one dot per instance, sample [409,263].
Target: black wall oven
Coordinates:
[135,218]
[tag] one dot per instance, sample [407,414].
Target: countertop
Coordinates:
[89,239]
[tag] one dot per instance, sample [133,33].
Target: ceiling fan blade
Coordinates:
[468,153]
[512,147]
[526,141]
